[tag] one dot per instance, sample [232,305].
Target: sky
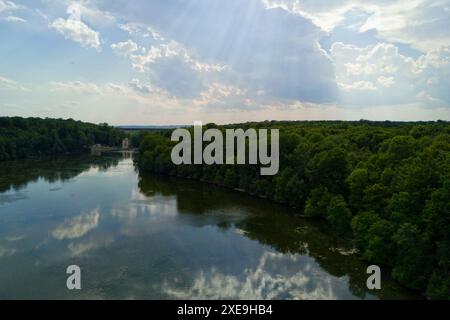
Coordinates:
[138,62]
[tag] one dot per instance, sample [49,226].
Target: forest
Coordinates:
[22,138]
[385,185]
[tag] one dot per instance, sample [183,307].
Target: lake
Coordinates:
[145,237]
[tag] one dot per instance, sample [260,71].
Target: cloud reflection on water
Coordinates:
[276,276]
[77,227]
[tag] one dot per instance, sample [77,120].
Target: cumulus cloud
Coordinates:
[380,74]
[77,31]
[171,49]
[253,48]
[73,28]
[423,24]
[386,81]
[325,14]
[124,48]
[141,30]
[172,68]
[225,96]
[89,13]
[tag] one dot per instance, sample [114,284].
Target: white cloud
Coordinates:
[14,19]
[132,29]
[172,69]
[89,88]
[143,88]
[358,85]
[77,31]
[379,74]
[224,96]
[8,6]
[124,48]
[135,89]
[386,81]
[142,62]
[73,28]
[280,55]
[76,86]
[423,24]
[9,84]
[141,30]
[325,15]
[85,11]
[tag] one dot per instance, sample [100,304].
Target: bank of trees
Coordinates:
[22,138]
[385,184]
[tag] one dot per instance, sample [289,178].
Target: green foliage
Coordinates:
[338,214]
[361,224]
[329,168]
[400,147]
[439,286]
[386,184]
[22,138]
[358,181]
[317,204]
[412,255]
[379,248]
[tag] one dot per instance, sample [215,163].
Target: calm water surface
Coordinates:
[149,237]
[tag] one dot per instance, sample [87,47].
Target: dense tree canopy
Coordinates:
[33,137]
[385,184]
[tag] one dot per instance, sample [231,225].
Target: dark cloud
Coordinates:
[270,50]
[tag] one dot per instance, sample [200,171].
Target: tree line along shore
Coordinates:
[22,138]
[386,185]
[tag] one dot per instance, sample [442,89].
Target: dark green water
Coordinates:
[158,238]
